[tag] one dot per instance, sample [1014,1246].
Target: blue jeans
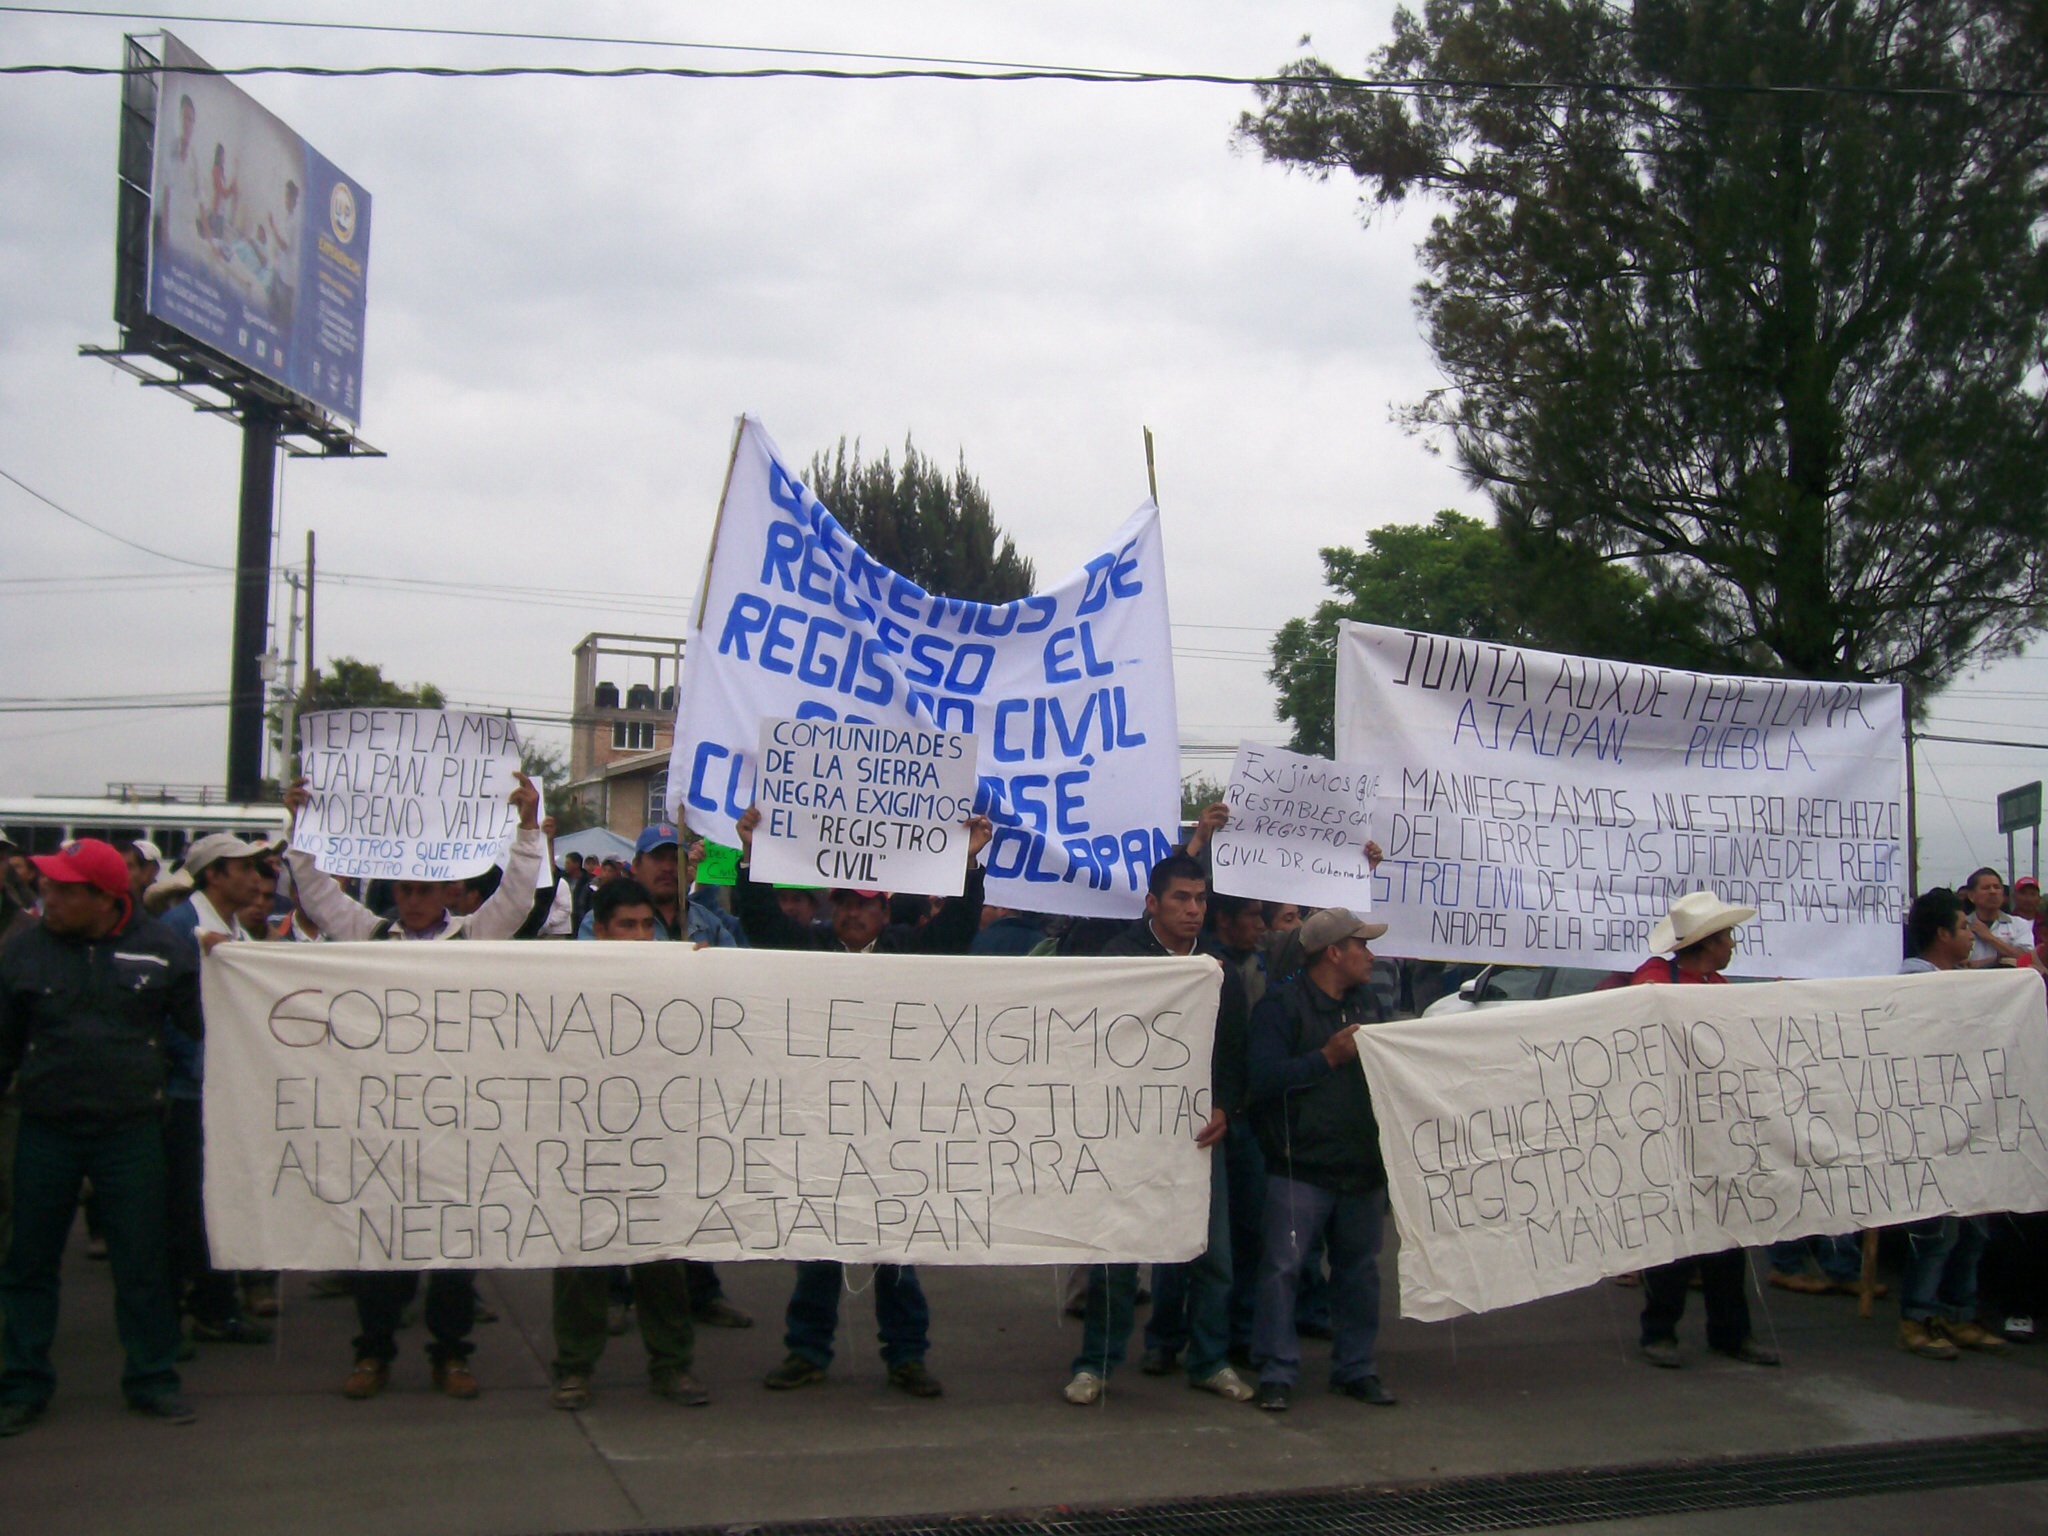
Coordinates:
[1296,1215]
[1840,1257]
[1196,1301]
[1941,1268]
[1168,1326]
[126,1166]
[901,1314]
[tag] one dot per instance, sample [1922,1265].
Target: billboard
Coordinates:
[258,245]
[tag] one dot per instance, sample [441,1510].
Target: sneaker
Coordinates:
[1966,1333]
[1226,1384]
[1805,1283]
[1749,1352]
[367,1379]
[910,1376]
[1274,1396]
[236,1330]
[1160,1362]
[1365,1389]
[618,1317]
[2018,1329]
[571,1394]
[794,1372]
[682,1389]
[454,1378]
[1916,1338]
[720,1313]
[1662,1353]
[168,1408]
[16,1418]
[1084,1390]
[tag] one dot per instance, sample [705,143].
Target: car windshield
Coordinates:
[1511,984]
[1572,981]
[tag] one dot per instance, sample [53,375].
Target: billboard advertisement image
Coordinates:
[259,246]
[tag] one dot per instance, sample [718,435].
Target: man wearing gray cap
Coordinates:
[1313,1113]
[223,872]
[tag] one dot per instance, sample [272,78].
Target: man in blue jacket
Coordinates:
[89,998]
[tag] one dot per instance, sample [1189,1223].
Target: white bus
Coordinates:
[169,816]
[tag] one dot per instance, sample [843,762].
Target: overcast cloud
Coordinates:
[575,287]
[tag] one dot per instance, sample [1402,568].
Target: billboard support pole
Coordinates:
[252,604]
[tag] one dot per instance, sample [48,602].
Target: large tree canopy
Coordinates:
[1459,576]
[1779,348]
[939,532]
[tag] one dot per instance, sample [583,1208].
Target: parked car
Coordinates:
[1522,984]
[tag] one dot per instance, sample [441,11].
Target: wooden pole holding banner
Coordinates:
[1866,1278]
[1151,477]
[718,524]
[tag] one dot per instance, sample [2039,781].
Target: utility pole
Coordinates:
[252,604]
[312,664]
[288,703]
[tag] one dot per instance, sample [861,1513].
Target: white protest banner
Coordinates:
[1068,693]
[1535,1148]
[876,807]
[1297,831]
[407,794]
[1549,809]
[506,1105]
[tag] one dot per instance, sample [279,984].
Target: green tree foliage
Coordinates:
[548,766]
[345,683]
[1458,576]
[938,531]
[1778,349]
[1199,791]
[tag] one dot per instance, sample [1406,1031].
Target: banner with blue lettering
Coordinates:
[1545,809]
[1068,693]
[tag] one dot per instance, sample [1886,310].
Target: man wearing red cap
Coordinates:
[88,999]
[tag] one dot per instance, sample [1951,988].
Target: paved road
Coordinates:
[1548,1385]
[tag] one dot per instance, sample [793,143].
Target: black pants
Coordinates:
[381,1296]
[701,1278]
[1723,1276]
[207,1294]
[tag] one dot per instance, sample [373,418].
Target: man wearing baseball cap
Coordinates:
[1692,945]
[223,872]
[860,925]
[1313,1112]
[88,998]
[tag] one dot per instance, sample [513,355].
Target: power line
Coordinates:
[108,532]
[1344,84]
[542,37]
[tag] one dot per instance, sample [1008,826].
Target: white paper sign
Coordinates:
[1297,831]
[1548,809]
[1535,1148]
[876,807]
[506,1106]
[407,794]
[1068,693]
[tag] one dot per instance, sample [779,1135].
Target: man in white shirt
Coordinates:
[2001,938]
[422,913]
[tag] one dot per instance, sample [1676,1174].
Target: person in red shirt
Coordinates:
[1698,936]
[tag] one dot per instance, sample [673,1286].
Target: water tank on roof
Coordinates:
[640,696]
[605,696]
[668,699]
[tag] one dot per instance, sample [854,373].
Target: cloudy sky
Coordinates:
[576,286]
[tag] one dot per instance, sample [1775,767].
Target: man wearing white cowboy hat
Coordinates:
[1698,936]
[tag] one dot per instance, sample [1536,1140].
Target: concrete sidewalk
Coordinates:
[1553,1384]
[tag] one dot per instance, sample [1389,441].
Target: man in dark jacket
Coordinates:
[1176,901]
[88,999]
[1324,1176]
[860,925]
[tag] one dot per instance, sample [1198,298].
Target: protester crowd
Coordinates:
[102,1061]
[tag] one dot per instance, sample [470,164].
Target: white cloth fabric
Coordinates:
[343,919]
